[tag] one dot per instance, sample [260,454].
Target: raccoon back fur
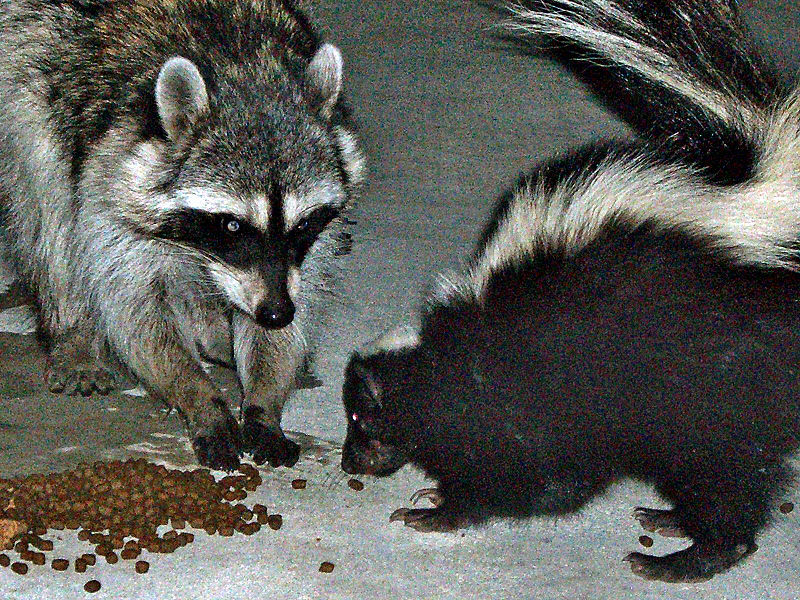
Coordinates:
[631,310]
[173,181]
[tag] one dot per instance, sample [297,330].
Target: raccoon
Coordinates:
[630,311]
[174,181]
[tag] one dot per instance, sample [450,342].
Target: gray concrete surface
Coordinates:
[448,119]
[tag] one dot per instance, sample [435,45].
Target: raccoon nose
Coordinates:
[275,317]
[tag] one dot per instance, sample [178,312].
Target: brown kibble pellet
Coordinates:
[355,484]
[326,567]
[38,558]
[259,508]
[4,560]
[262,518]
[92,586]
[112,558]
[104,548]
[45,545]
[60,564]
[89,559]
[275,522]
[129,553]
[19,568]
[80,565]
[142,566]
[299,484]
[645,540]
[226,530]
[787,507]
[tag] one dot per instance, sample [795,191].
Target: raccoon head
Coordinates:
[253,174]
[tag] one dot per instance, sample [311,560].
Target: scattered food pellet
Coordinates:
[142,566]
[89,559]
[299,484]
[787,507]
[19,568]
[355,484]
[645,540]
[275,522]
[60,564]
[4,560]
[92,586]
[80,565]
[326,567]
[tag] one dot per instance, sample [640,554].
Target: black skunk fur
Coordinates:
[631,311]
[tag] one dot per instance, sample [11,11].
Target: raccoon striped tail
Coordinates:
[680,72]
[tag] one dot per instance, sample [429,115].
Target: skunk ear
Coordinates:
[366,383]
[181,96]
[324,78]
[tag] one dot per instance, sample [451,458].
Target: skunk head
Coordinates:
[370,446]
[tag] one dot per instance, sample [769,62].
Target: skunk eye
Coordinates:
[301,226]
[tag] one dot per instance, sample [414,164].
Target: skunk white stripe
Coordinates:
[755,222]
[582,22]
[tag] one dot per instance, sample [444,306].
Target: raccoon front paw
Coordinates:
[268,444]
[217,446]
[695,564]
[81,378]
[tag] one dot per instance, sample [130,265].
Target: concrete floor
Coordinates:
[449,118]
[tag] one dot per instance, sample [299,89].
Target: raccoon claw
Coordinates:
[427,520]
[80,379]
[266,444]
[694,564]
[218,449]
[663,522]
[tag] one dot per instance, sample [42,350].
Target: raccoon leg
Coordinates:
[73,367]
[267,362]
[156,356]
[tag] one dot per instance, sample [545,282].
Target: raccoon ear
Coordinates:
[181,96]
[324,78]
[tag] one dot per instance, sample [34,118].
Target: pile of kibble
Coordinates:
[118,507]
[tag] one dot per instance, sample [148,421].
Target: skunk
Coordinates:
[631,309]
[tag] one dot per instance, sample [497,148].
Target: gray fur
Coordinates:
[117,115]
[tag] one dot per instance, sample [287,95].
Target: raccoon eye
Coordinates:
[355,417]
[301,226]
[232,225]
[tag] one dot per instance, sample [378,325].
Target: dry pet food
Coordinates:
[108,503]
[355,484]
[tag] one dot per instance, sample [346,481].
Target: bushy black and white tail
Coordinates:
[681,72]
